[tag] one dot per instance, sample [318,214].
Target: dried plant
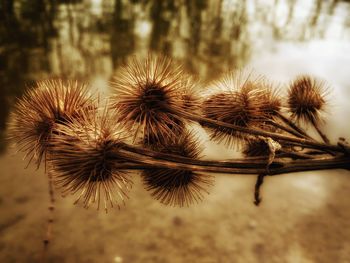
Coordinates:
[307,100]
[239,103]
[271,103]
[190,97]
[43,107]
[257,147]
[144,90]
[175,186]
[91,155]
[91,152]
[37,114]
[82,160]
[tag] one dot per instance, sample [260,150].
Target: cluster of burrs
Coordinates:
[89,149]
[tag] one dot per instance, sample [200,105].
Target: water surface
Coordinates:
[304,217]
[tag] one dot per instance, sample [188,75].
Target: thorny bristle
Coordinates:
[83,161]
[144,92]
[239,103]
[40,109]
[190,102]
[256,147]
[270,100]
[152,138]
[306,98]
[190,96]
[178,187]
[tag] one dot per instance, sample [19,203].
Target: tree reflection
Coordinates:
[122,40]
[25,35]
[81,38]
[162,13]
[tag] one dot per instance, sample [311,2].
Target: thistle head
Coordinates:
[306,98]
[84,159]
[144,91]
[175,186]
[239,102]
[36,114]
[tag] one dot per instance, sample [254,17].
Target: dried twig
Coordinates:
[258,184]
[48,234]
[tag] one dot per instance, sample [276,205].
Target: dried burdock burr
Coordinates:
[90,155]
[149,98]
[40,109]
[144,90]
[307,100]
[190,101]
[152,136]
[178,187]
[271,106]
[83,160]
[239,102]
[268,99]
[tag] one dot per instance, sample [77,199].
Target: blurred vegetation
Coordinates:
[81,39]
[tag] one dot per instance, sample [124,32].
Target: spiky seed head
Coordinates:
[307,98]
[144,90]
[84,160]
[152,138]
[178,187]
[40,109]
[190,102]
[256,147]
[239,102]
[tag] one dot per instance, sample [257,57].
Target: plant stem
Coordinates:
[236,163]
[291,140]
[319,131]
[141,162]
[293,125]
[152,163]
[258,184]
[292,154]
[286,129]
[311,165]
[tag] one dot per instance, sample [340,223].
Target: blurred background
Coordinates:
[304,217]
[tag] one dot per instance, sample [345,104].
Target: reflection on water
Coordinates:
[83,39]
[303,218]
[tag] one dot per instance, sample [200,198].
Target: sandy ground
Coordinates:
[304,217]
